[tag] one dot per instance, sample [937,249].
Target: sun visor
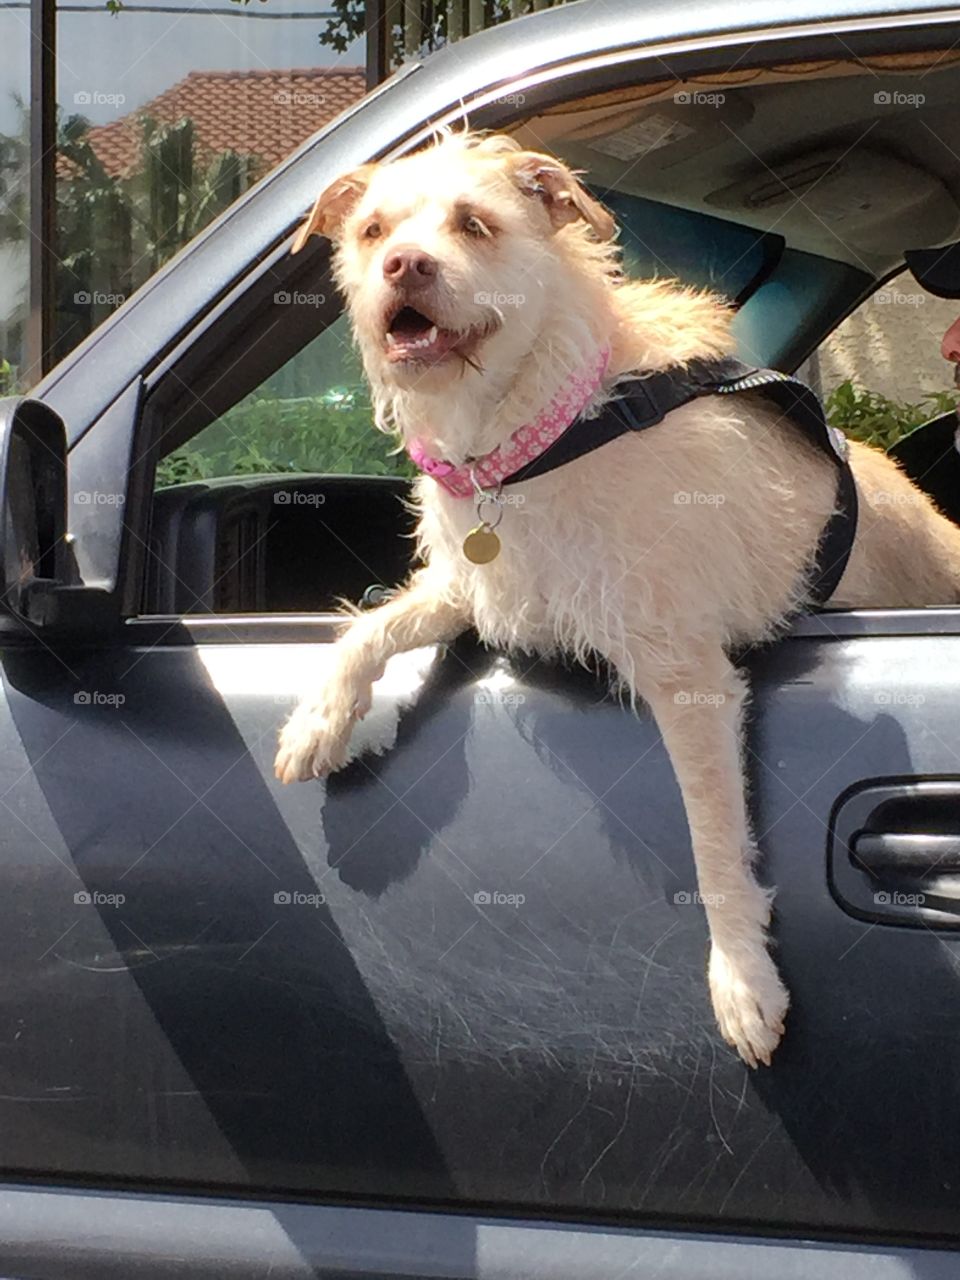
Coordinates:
[863,197]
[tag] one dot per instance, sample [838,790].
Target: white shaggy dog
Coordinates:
[482,285]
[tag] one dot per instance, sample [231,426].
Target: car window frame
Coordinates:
[203,345]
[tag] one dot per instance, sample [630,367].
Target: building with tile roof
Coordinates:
[263,115]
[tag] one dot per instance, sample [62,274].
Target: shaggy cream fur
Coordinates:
[659,552]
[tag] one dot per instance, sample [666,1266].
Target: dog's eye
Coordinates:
[372,231]
[472,226]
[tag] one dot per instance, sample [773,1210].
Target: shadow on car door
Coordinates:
[469,970]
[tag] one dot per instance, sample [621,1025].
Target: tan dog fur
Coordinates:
[601,557]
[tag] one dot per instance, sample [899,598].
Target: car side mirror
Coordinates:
[34,556]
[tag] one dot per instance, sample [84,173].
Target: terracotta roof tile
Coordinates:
[261,114]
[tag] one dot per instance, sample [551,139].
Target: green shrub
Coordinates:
[875,419]
[332,433]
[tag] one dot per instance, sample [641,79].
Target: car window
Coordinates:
[881,372]
[747,189]
[314,414]
[660,239]
[311,415]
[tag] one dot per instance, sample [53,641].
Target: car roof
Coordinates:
[616,23]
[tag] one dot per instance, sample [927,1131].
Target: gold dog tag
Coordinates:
[481,545]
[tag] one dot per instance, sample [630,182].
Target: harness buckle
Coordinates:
[651,411]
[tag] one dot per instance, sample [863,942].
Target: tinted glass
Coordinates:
[168,112]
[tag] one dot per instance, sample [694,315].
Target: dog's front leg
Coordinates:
[314,740]
[699,711]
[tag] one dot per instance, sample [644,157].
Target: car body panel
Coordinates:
[401,1039]
[109,1236]
[210,983]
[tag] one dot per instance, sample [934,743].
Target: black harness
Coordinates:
[645,402]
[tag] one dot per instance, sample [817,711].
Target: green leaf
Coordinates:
[875,419]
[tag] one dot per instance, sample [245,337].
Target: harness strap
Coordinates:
[645,402]
[798,403]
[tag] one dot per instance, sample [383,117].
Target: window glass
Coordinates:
[738,189]
[14,193]
[660,239]
[168,112]
[777,290]
[313,414]
[743,190]
[881,371]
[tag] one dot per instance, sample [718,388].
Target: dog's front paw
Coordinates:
[749,1000]
[315,739]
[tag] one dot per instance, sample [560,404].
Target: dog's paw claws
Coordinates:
[309,748]
[750,1003]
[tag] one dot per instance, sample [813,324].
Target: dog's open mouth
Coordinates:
[413,336]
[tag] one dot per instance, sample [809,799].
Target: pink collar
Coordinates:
[527,442]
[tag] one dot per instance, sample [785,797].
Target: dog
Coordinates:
[483,284]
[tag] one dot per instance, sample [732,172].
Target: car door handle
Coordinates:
[895,852]
[906,853]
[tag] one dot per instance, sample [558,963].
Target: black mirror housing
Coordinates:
[34,555]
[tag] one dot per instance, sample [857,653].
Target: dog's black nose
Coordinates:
[409,265]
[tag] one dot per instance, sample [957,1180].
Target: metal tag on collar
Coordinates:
[481,545]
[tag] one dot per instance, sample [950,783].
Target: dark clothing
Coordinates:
[937,270]
[929,457]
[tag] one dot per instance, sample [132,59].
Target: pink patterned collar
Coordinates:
[527,442]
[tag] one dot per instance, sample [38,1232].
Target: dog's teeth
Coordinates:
[413,344]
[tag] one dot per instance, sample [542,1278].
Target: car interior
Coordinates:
[275,494]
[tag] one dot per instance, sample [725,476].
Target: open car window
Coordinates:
[745,189]
[312,415]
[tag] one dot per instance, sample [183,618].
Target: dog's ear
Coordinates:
[332,206]
[562,195]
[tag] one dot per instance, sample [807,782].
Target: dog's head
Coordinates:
[452,259]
